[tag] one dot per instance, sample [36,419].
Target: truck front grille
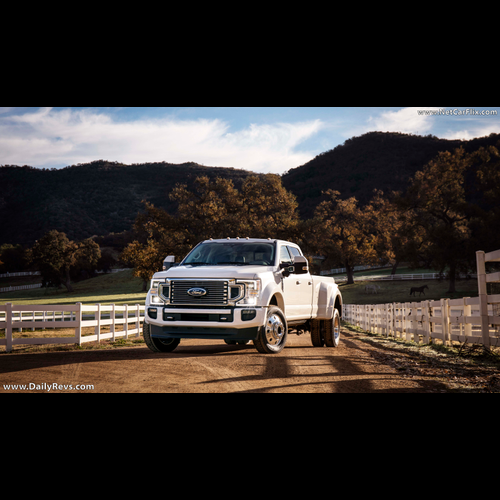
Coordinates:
[216,292]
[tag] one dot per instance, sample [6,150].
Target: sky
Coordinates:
[260,139]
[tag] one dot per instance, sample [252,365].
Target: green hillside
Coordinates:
[115,288]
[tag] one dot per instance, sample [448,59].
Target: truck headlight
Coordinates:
[252,292]
[159,291]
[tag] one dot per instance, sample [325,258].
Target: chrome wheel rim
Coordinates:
[336,329]
[275,329]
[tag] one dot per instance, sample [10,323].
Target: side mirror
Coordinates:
[300,265]
[286,269]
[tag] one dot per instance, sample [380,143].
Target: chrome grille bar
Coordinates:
[216,292]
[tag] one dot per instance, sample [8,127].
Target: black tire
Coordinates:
[273,335]
[332,330]
[317,333]
[158,345]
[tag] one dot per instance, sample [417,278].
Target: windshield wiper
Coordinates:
[198,264]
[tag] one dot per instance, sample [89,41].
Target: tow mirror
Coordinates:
[300,265]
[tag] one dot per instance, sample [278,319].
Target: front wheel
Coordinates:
[273,335]
[158,345]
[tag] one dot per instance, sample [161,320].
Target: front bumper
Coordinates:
[229,323]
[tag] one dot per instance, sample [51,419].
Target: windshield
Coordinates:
[231,253]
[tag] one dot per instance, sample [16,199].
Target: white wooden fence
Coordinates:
[24,273]
[392,277]
[78,316]
[475,320]
[20,287]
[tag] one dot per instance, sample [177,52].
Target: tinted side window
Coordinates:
[293,251]
[285,256]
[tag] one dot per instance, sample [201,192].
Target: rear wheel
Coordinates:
[332,330]
[326,331]
[317,335]
[272,336]
[158,345]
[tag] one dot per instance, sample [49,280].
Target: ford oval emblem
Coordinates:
[197,292]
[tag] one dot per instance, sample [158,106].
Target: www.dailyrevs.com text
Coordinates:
[47,387]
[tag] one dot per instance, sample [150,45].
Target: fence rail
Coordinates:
[78,316]
[20,287]
[475,320]
[24,273]
[392,277]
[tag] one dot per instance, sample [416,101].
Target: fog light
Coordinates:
[248,314]
[152,312]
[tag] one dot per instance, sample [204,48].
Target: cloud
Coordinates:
[47,138]
[406,120]
[475,130]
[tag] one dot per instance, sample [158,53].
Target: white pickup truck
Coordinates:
[242,289]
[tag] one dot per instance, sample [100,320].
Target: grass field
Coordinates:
[399,291]
[117,288]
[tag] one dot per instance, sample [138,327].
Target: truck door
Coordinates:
[297,288]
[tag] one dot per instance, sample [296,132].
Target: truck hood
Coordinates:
[204,272]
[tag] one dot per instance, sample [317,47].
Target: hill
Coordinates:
[89,199]
[104,197]
[376,160]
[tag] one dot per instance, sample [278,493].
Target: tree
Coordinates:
[158,235]
[437,198]
[12,257]
[55,256]
[397,238]
[213,209]
[268,209]
[486,195]
[342,232]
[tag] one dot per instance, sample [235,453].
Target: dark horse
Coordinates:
[418,289]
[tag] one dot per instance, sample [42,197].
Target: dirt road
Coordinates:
[213,366]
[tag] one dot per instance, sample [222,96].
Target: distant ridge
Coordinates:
[101,197]
[90,199]
[376,160]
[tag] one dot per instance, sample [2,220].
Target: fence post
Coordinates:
[112,326]
[407,321]
[126,321]
[389,320]
[445,320]
[78,329]
[483,297]
[138,316]
[394,320]
[467,330]
[414,309]
[426,325]
[98,326]
[8,326]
